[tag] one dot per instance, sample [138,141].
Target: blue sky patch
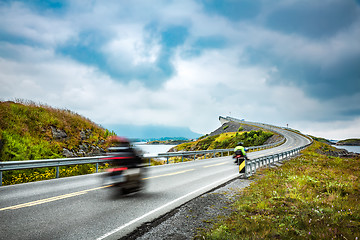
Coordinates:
[210,42]
[234,10]
[174,36]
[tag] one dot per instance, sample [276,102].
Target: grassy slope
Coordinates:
[25,134]
[323,140]
[25,131]
[226,140]
[312,196]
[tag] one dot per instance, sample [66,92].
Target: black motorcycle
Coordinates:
[239,157]
[127,170]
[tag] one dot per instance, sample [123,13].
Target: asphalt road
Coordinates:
[83,208]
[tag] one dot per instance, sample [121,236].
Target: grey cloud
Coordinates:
[314,19]
[318,81]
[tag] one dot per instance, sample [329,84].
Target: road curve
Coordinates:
[82,208]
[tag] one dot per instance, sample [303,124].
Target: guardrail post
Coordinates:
[182,158]
[57,172]
[167,160]
[97,167]
[0,178]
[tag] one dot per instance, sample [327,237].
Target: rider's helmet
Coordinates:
[240,143]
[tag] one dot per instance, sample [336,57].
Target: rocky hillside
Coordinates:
[32,131]
[237,127]
[225,141]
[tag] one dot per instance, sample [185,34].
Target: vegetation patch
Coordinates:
[349,142]
[226,140]
[313,196]
[30,131]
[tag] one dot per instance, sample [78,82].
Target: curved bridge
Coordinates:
[82,208]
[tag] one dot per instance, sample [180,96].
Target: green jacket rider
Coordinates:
[241,148]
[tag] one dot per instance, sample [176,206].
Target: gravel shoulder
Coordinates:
[200,213]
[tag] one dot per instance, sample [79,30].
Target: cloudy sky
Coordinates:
[170,66]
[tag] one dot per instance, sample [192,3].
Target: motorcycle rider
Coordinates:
[126,166]
[240,150]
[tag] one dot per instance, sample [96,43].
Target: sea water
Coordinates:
[355,149]
[153,149]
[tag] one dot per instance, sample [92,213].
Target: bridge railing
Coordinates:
[252,164]
[267,161]
[57,163]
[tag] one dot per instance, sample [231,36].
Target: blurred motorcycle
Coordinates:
[127,180]
[127,169]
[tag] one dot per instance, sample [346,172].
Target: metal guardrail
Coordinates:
[253,164]
[28,164]
[183,154]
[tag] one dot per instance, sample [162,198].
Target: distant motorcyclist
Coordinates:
[239,150]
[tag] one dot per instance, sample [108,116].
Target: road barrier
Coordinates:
[266,161]
[57,163]
[251,165]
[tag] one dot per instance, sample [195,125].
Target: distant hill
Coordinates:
[228,135]
[349,142]
[33,131]
[323,140]
[169,141]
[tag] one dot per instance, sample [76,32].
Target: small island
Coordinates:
[349,142]
[169,142]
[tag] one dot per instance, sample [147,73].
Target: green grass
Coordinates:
[227,140]
[25,131]
[312,196]
[25,134]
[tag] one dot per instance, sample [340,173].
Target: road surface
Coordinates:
[82,207]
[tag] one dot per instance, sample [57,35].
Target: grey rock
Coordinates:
[83,135]
[68,153]
[58,134]
[84,147]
